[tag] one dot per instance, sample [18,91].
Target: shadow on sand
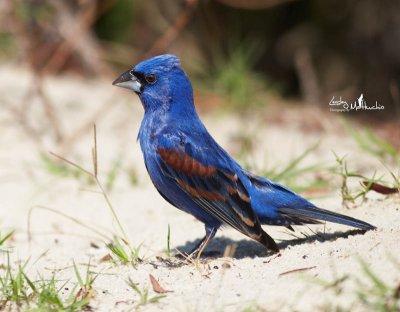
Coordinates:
[251,249]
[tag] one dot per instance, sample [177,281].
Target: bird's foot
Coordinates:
[196,252]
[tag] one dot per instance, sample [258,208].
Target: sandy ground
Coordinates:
[252,279]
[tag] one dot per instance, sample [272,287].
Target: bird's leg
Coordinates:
[210,233]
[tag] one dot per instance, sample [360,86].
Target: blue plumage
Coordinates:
[193,173]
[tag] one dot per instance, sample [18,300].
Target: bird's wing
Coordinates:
[212,185]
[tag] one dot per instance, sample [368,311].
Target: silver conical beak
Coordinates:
[128,81]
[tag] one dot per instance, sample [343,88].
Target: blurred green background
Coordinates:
[236,50]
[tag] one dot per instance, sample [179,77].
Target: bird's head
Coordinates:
[160,83]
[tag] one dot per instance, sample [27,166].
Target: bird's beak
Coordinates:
[128,81]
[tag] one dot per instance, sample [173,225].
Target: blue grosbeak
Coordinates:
[193,173]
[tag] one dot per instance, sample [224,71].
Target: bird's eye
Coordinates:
[151,78]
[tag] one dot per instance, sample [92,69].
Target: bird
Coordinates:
[195,174]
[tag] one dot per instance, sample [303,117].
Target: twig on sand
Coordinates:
[297,270]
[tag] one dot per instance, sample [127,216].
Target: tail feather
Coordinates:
[315,213]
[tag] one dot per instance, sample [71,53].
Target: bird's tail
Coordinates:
[314,213]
